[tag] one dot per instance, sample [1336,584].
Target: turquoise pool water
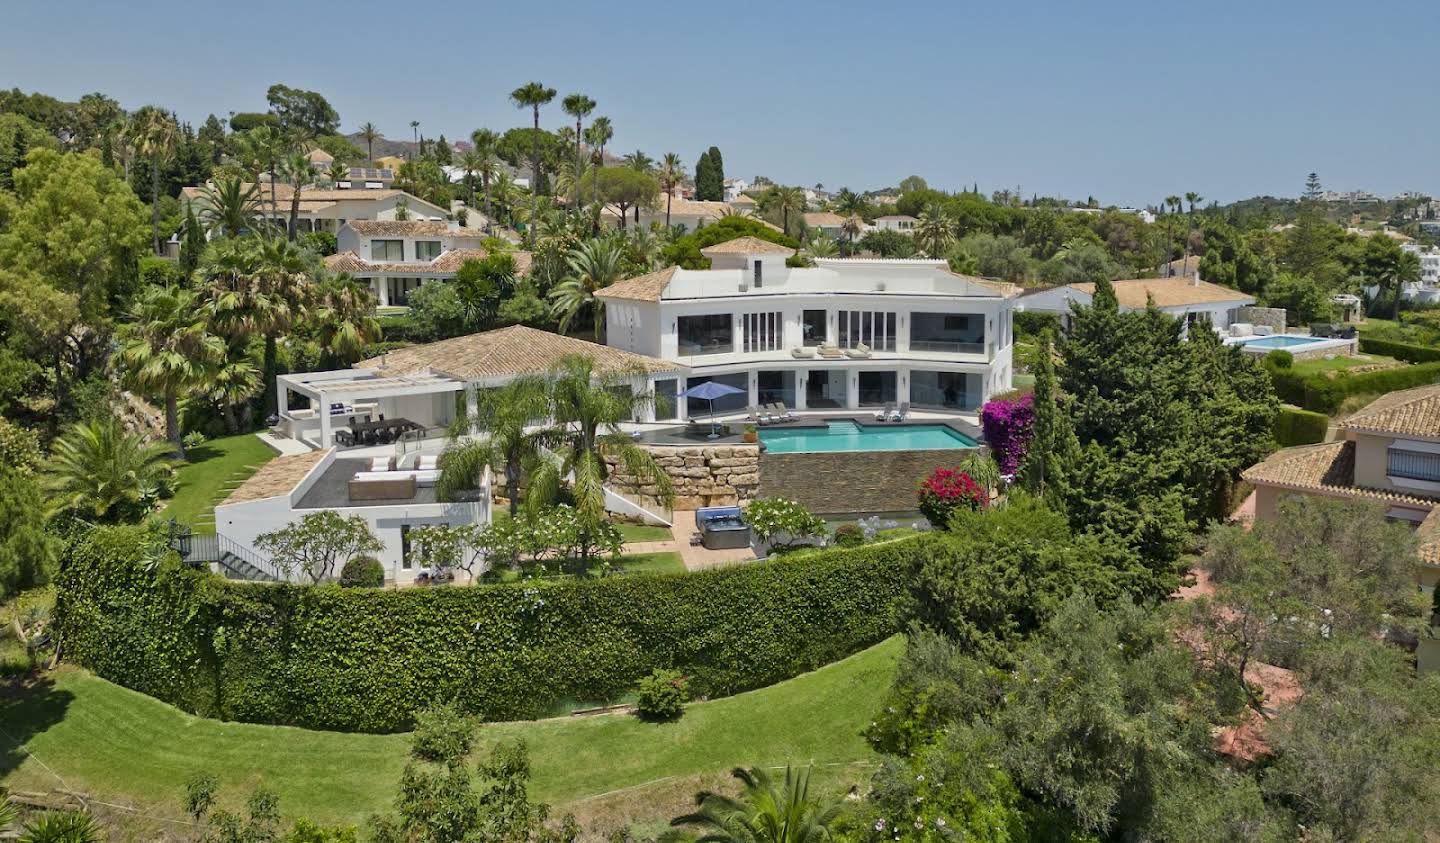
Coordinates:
[1280,341]
[849,436]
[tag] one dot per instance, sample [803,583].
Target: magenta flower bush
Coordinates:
[1009,423]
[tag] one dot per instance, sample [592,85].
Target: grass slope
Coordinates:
[112,743]
[209,475]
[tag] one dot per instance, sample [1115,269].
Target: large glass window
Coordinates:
[876,388]
[873,328]
[1414,465]
[762,331]
[387,250]
[776,386]
[666,407]
[427,250]
[812,326]
[951,390]
[400,290]
[949,332]
[708,334]
[700,408]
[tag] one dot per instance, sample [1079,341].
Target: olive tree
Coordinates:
[316,544]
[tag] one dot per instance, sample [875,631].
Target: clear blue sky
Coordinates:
[1128,101]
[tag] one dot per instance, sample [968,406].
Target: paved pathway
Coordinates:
[284,444]
[695,558]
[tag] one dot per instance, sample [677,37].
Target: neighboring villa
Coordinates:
[843,334]
[903,223]
[830,224]
[329,209]
[688,214]
[395,257]
[1186,298]
[288,488]
[1390,454]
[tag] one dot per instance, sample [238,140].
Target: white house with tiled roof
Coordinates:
[843,334]
[327,209]
[1186,298]
[396,256]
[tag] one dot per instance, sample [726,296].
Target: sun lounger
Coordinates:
[860,351]
[884,415]
[781,412]
[802,352]
[382,464]
[758,417]
[830,352]
[903,413]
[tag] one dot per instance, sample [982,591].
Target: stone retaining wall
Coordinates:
[849,482]
[709,475]
[1273,317]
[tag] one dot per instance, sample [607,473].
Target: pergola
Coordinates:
[352,386]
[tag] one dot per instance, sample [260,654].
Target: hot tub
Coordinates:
[722,527]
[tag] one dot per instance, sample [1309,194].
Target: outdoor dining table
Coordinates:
[397,427]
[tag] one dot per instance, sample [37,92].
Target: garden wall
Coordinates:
[848,482]
[712,475]
[367,659]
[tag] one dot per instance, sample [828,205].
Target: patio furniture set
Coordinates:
[891,413]
[383,480]
[381,431]
[773,413]
[829,352]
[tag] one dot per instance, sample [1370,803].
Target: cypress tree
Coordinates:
[702,176]
[1054,444]
[192,245]
[710,176]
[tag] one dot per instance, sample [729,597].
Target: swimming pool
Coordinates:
[1279,341]
[851,436]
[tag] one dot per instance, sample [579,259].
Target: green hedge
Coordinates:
[1294,426]
[1321,393]
[360,659]
[1408,352]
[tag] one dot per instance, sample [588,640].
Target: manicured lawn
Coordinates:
[644,533]
[1312,367]
[115,744]
[668,562]
[212,472]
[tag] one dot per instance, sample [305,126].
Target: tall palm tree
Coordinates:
[236,381]
[470,165]
[1172,206]
[638,160]
[370,134]
[415,135]
[763,813]
[672,174]
[101,471]
[586,411]
[647,247]
[485,142]
[168,349]
[231,207]
[849,205]
[819,244]
[1404,269]
[337,172]
[934,231]
[267,146]
[787,201]
[593,265]
[505,193]
[532,95]
[507,418]
[299,171]
[599,134]
[578,106]
[1192,199]
[345,319]
[155,133]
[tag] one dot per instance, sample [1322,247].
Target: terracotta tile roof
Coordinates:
[448,263]
[508,352]
[278,477]
[900,217]
[315,194]
[1168,292]
[824,218]
[1429,535]
[742,199]
[1327,468]
[649,287]
[411,228]
[747,246]
[1409,412]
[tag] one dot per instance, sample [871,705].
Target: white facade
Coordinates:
[896,222]
[240,524]
[396,258]
[329,209]
[844,334]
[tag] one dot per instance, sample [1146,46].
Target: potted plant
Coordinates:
[749,435]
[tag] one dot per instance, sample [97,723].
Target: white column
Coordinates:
[383,291]
[324,410]
[852,389]
[799,381]
[641,385]
[282,398]
[753,378]
[472,406]
[682,404]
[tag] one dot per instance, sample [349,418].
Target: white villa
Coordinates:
[844,334]
[395,257]
[1186,298]
[903,223]
[329,209]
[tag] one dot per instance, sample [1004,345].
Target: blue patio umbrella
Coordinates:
[710,390]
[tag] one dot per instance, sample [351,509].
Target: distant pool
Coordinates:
[1290,342]
[850,436]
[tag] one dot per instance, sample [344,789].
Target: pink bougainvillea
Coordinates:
[947,490]
[1009,423]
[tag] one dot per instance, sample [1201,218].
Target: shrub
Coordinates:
[947,491]
[849,535]
[370,659]
[1294,426]
[158,271]
[1279,359]
[442,733]
[362,572]
[1325,395]
[1409,352]
[1029,323]
[661,695]
[194,439]
[782,523]
[1008,425]
[322,243]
